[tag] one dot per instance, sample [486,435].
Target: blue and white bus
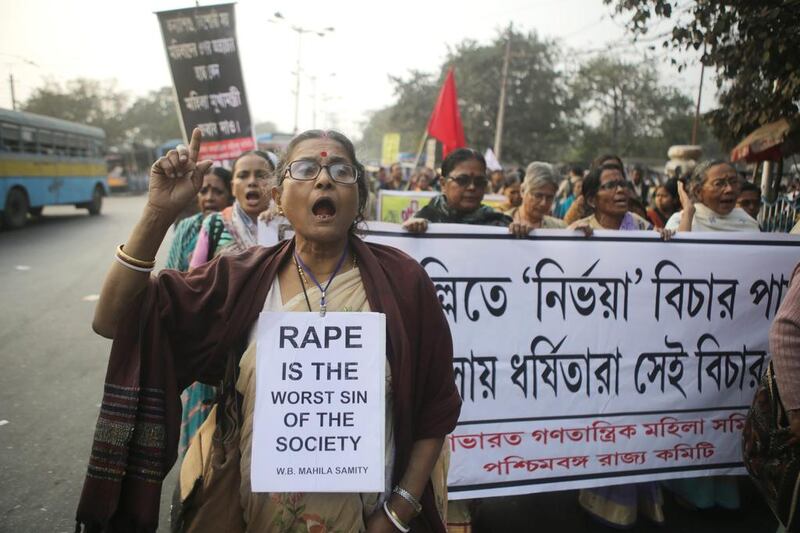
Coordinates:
[48,161]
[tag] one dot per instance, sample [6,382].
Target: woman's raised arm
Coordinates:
[174,182]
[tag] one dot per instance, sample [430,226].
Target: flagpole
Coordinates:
[421,147]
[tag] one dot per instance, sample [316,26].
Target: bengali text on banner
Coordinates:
[589,362]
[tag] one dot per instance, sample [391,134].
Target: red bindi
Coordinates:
[323,154]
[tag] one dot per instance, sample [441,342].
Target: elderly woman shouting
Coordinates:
[710,202]
[605,193]
[176,328]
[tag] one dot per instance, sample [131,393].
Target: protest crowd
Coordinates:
[216,367]
[606,195]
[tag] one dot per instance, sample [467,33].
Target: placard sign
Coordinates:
[320,385]
[203,57]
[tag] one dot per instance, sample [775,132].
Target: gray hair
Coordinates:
[700,172]
[539,174]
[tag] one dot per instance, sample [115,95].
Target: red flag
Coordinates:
[445,123]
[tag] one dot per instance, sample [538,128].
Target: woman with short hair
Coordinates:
[538,192]
[709,201]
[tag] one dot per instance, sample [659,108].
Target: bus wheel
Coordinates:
[16,210]
[96,204]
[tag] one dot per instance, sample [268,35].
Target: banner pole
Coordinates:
[421,147]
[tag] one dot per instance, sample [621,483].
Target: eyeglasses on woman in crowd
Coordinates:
[613,185]
[308,169]
[464,180]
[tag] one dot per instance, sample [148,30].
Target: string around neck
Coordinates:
[323,302]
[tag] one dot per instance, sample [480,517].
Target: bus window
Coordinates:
[96,148]
[29,140]
[46,142]
[60,142]
[10,137]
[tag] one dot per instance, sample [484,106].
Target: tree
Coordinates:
[633,112]
[150,120]
[415,95]
[85,101]
[153,119]
[536,124]
[751,44]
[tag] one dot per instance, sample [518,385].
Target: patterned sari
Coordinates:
[229,232]
[620,505]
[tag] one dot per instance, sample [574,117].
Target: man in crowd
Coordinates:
[750,199]
[395,181]
[640,187]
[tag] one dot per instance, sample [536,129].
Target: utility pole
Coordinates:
[13,97]
[501,108]
[699,93]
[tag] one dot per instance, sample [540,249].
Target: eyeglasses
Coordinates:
[721,183]
[613,185]
[465,181]
[307,170]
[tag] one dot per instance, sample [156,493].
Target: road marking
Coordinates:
[91,298]
[23,268]
[3,422]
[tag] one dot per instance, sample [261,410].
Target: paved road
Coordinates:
[52,364]
[52,376]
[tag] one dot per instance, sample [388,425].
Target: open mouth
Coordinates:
[252,197]
[324,208]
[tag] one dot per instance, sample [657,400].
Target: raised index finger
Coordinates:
[194,145]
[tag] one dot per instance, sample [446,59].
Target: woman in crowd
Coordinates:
[568,191]
[235,228]
[512,192]
[666,202]
[214,196]
[605,194]
[422,180]
[177,328]
[709,204]
[465,182]
[538,192]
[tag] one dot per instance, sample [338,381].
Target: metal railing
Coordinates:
[779,216]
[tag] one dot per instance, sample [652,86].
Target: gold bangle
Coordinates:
[132,260]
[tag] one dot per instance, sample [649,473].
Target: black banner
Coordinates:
[204,59]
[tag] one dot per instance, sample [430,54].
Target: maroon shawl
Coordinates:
[181,329]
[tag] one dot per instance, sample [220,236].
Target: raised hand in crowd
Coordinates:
[174,182]
[176,177]
[687,205]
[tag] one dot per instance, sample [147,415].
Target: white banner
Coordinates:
[590,362]
[320,385]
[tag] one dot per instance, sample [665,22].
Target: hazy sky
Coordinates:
[120,40]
